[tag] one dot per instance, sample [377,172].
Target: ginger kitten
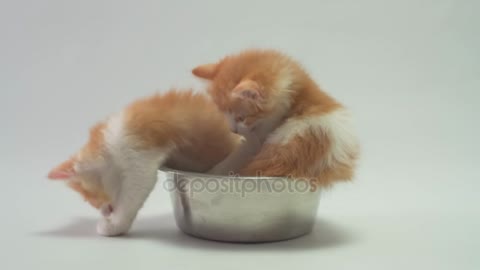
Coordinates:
[300,130]
[117,168]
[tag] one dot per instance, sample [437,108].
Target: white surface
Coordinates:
[409,70]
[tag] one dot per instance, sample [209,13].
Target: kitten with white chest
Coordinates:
[292,127]
[117,168]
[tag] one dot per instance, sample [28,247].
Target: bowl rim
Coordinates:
[235,177]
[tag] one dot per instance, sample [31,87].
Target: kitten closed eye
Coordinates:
[239,118]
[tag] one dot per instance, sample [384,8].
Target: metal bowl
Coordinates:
[241,209]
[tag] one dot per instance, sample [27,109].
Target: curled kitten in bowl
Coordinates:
[292,127]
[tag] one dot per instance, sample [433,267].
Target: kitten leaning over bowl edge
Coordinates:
[117,168]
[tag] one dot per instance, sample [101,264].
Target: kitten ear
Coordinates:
[251,94]
[248,90]
[63,171]
[207,71]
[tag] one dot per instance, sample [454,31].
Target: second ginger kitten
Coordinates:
[297,129]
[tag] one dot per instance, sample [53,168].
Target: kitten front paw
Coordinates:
[250,138]
[106,227]
[243,130]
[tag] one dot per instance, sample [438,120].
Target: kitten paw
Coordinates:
[251,141]
[106,227]
[243,130]
[249,136]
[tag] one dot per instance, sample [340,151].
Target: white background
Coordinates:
[409,70]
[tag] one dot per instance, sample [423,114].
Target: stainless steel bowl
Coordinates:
[241,209]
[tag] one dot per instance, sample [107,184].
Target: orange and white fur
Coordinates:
[117,168]
[292,127]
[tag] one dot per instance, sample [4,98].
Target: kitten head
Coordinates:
[250,86]
[82,172]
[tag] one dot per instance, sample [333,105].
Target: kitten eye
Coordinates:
[239,118]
